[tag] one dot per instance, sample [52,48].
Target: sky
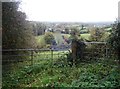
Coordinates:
[70,10]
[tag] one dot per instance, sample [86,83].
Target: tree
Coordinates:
[114,39]
[48,37]
[74,33]
[15,29]
[66,30]
[38,28]
[77,46]
[97,34]
[82,27]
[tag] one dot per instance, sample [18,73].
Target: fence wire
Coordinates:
[93,50]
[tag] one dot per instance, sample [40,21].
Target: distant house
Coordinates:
[49,30]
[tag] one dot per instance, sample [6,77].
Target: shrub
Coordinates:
[48,37]
[114,40]
[97,34]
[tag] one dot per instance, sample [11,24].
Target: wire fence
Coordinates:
[93,50]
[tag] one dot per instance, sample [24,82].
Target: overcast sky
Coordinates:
[71,10]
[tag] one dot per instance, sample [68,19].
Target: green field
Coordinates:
[85,36]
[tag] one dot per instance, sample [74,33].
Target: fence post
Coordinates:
[31,57]
[51,57]
[52,54]
[106,51]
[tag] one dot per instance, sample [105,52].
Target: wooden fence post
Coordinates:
[31,57]
[52,57]
[106,50]
[51,54]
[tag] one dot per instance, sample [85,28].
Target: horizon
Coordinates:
[70,22]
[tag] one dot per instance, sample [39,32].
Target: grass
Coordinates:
[56,73]
[48,55]
[85,36]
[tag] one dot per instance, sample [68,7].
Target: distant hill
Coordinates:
[86,24]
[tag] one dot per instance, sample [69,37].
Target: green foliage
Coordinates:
[45,74]
[74,34]
[83,31]
[114,39]
[16,33]
[89,80]
[75,31]
[15,30]
[40,41]
[38,28]
[97,34]
[24,75]
[48,37]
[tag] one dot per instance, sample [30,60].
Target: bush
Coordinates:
[114,40]
[97,34]
[40,42]
[48,37]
